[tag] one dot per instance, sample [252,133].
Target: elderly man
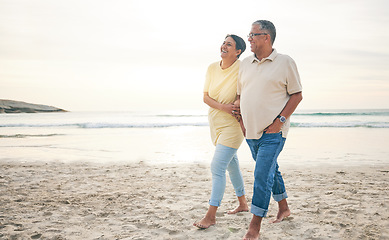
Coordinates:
[269,90]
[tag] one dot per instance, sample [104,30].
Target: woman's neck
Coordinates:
[226,63]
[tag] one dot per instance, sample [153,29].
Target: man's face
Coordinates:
[256,42]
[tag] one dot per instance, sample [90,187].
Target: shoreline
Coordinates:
[142,201]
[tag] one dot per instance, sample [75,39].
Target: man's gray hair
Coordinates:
[268,27]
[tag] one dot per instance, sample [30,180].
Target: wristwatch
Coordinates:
[282,118]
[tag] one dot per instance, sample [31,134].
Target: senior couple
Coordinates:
[253,99]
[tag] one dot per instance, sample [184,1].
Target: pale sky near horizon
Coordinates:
[152,55]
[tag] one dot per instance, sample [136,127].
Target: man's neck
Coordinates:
[263,54]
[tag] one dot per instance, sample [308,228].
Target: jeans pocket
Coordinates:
[279,133]
[271,138]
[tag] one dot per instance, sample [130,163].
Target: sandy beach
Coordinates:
[142,201]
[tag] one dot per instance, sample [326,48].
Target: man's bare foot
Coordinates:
[239,209]
[205,223]
[254,228]
[248,236]
[281,215]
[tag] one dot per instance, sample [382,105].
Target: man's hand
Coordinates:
[236,110]
[275,127]
[238,116]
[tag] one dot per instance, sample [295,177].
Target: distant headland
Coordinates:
[10,106]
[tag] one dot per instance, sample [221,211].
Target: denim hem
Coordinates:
[257,211]
[240,193]
[215,203]
[279,197]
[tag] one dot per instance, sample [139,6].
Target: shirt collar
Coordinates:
[271,57]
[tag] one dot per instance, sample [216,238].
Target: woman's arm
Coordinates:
[232,109]
[215,104]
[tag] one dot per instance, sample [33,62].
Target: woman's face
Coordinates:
[228,48]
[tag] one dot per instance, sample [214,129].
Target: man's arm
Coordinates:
[237,115]
[289,108]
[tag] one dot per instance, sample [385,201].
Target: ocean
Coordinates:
[375,118]
[182,136]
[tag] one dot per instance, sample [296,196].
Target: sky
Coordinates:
[132,55]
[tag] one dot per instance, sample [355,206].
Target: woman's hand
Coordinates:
[231,108]
[228,108]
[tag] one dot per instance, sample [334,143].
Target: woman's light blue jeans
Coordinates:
[267,178]
[225,158]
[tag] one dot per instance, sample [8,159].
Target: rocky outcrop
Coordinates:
[10,106]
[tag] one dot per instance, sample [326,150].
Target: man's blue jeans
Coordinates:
[267,178]
[225,158]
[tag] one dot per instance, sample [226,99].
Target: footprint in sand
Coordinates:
[36,236]
[234,229]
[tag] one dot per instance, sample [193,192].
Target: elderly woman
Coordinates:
[220,92]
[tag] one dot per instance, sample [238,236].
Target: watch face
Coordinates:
[282,119]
